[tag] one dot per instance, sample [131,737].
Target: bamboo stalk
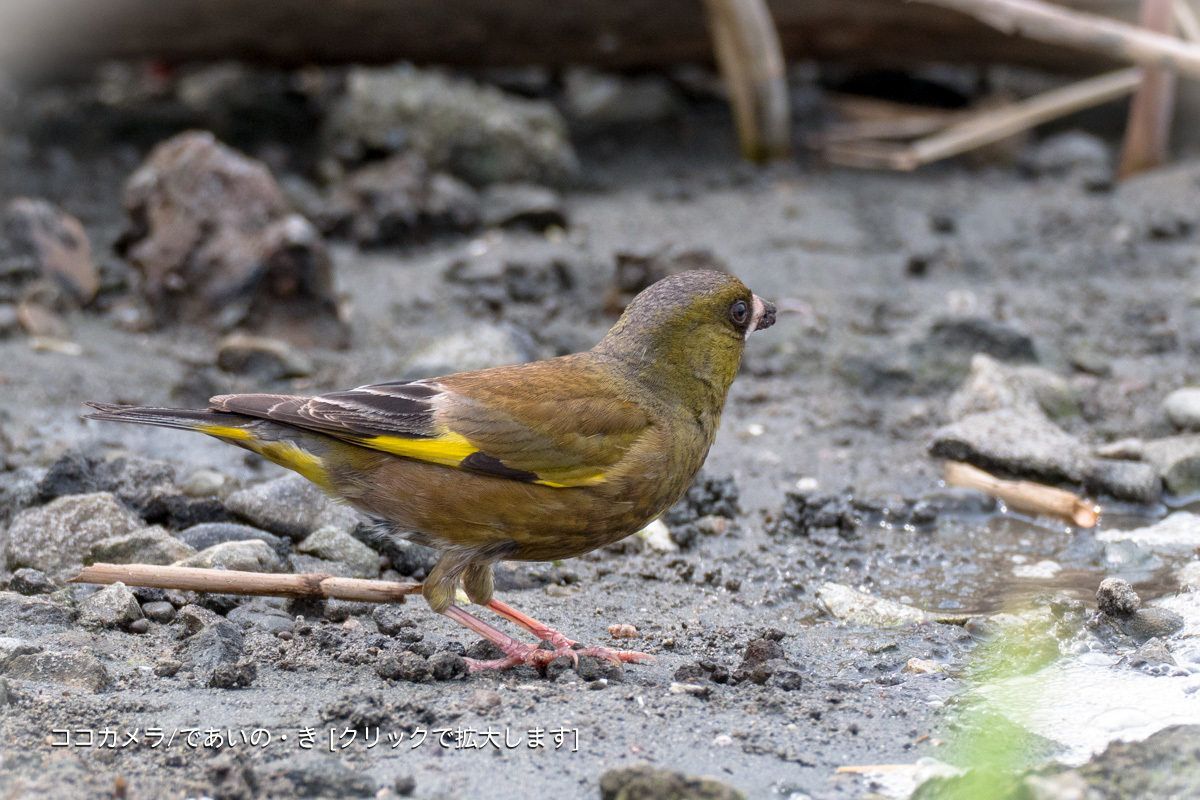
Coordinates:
[219,581]
[751,60]
[1052,24]
[987,127]
[1025,496]
[1148,132]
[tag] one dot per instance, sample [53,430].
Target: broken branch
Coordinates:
[1185,18]
[1056,25]
[1025,496]
[219,581]
[1148,131]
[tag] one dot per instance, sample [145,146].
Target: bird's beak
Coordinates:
[763,316]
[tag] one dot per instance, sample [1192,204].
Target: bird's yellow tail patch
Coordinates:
[284,453]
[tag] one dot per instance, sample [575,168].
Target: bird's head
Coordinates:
[688,331]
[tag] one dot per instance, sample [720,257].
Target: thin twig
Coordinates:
[987,127]
[1025,496]
[751,60]
[313,585]
[1148,131]
[1057,25]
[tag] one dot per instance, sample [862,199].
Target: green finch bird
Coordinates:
[534,462]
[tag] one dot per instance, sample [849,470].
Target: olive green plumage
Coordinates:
[536,462]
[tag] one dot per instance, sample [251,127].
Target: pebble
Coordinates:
[262,358]
[288,506]
[312,774]
[113,606]
[523,205]
[1130,481]
[31,581]
[484,700]
[851,605]
[233,676]
[37,610]
[205,483]
[405,667]
[207,534]
[1177,459]
[655,783]
[1182,408]
[213,645]
[159,611]
[448,666]
[622,631]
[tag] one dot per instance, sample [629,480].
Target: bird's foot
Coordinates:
[609,654]
[524,654]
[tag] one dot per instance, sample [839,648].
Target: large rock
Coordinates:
[253,555]
[1015,442]
[113,606]
[475,132]
[54,538]
[39,241]
[16,607]
[1177,459]
[992,385]
[332,544]
[215,241]
[146,546]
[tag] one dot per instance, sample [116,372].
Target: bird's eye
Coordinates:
[739,312]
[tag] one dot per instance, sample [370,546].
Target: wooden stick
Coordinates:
[1056,25]
[1185,18]
[1148,131]
[1031,498]
[313,585]
[751,61]
[988,126]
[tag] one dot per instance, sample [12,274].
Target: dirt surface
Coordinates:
[843,393]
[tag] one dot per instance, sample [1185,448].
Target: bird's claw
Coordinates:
[617,656]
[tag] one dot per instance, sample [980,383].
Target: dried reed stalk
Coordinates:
[1025,496]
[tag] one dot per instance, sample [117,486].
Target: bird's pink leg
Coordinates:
[560,642]
[515,652]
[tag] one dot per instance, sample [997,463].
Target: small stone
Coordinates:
[253,555]
[146,546]
[1131,481]
[448,666]
[38,240]
[212,646]
[140,626]
[596,99]
[923,666]
[1116,598]
[391,620]
[205,483]
[262,358]
[1152,653]
[167,667]
[72,668]
[311,774]
[207,534]
[193,619]
[483,701]
[405,667]
[523,205]
[1145,624]
[1122,450]
[286,506]
[404,785]
[645,783]
[333,544]
[1177,459]
[622,631]
[233,676]
[760,651]
[267,614]
[31,581]
[1182,408]
[53,538]
[159,611]
[850,605]
[113,606]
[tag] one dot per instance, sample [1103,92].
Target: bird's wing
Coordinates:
[543,433]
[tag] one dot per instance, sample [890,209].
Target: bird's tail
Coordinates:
[221,424]
[297,450]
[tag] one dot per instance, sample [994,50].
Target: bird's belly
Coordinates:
[451,508]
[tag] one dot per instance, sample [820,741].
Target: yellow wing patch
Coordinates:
[225,432]
[448,449]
